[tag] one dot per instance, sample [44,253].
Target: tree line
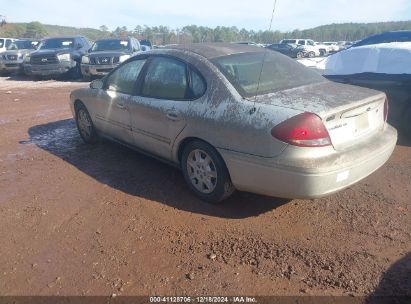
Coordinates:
[162,35]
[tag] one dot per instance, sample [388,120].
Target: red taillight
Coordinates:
[386,109]
[304,130]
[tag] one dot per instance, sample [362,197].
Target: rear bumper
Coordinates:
[96,70]
[49,69]
[310,177]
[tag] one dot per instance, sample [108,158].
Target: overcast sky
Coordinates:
[289,15]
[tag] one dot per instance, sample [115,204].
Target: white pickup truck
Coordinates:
[311,49]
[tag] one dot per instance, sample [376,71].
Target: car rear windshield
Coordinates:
[110,45]
[265,72]
[56,43]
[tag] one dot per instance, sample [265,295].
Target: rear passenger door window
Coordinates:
[166,78]
[124,79]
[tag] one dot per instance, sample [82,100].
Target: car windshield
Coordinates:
[56,43]
[277,73]
[20,45]
[110,45]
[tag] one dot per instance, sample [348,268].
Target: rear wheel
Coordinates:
[205,172]
[85,125]
[300,55]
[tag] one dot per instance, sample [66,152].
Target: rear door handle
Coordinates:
[173,116]
[120,105]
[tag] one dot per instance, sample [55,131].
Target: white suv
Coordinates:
[5,43]
[310,47]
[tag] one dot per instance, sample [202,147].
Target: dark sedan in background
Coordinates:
[290,50]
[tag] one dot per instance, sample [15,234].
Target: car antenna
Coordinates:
[252,111]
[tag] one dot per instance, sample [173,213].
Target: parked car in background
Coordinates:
[57,56]
[5,43]
[384,69]
[332,46]
[387,37]
[106,54]
[12,59]
[229,123]
[145,45]
[291,50]
[252,43]
[343,45]
[309,46]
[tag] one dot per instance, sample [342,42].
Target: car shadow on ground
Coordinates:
[23,77]
[395,284]
[126,170]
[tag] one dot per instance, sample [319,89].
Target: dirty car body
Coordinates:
[294,136]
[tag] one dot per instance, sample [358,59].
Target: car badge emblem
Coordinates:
[44,60]
[105,60]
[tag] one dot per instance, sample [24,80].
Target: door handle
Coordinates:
[173,116]
[120,105]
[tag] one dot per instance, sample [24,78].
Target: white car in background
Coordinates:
[5,43]
[332,46]
[311,49]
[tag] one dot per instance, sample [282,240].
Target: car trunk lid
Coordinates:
[349,113]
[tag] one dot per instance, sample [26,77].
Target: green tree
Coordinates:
[35,30]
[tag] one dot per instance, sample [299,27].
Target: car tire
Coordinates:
[406,122]
[85,125]
[323,53]
[205,172]
[75,72]
[311,54]
[300,55]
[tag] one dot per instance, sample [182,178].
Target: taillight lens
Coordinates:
[304,130]
[386,106]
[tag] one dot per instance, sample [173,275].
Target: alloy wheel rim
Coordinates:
[202,171]
[84,123]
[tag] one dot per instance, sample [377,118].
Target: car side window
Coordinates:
[8,43]
[166,78]
[198,85]
[123,80]
[301,42]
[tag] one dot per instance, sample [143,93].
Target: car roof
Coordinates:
[214,50]
[114,38]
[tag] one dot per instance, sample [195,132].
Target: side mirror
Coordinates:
[96,84]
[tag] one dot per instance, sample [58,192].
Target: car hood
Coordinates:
[17,52]
[319,98]
[108,54]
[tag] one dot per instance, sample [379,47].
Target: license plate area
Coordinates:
[361,123]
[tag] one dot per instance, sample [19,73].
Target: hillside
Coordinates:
[193,33]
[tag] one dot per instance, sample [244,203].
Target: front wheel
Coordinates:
[85,125]
[311,54]
[205,172]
